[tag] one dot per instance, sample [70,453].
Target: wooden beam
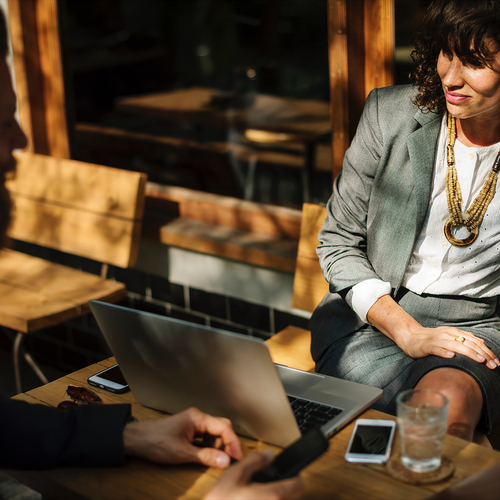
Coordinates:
[21,78]
[34,28]
[361,57]
[379,44]
[339,80]
[47,19]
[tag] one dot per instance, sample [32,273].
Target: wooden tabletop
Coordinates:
[328,477]
[305,119]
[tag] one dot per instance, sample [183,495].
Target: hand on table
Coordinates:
[418,341]
[170,439]
[236,483]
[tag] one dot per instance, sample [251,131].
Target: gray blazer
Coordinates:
[378,206]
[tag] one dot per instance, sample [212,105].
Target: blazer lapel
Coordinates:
[422,146]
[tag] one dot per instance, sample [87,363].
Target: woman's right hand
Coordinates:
[418,341]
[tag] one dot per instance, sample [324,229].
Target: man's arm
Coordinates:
[34,436]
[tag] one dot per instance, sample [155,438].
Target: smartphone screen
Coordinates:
[113,374]
[371,441]
[111,379]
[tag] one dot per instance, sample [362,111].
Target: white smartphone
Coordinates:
[110,379]
[371,441]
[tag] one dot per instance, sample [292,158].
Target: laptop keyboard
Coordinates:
[310,414]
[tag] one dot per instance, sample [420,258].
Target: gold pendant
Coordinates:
[455,241]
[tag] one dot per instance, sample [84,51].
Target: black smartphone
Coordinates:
[294,458]
[110,379]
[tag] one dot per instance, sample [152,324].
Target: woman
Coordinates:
[411,242]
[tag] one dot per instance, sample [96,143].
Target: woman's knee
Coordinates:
[464,396]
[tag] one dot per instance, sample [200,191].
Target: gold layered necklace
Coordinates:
[474,215]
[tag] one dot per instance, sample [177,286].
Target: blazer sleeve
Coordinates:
[35,436]
[343,237]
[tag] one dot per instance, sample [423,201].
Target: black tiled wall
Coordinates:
[78,343]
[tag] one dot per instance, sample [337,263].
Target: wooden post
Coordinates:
[379,44]
[339,80]
[361,55]
[34,28]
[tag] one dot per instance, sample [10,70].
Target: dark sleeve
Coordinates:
[36,436]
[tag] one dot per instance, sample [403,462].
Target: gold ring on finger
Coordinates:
[460,339]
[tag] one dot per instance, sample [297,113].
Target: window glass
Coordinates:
[408,19]
[224,96]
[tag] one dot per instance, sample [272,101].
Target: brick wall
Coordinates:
[78,343]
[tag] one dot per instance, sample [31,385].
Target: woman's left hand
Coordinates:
[418,341]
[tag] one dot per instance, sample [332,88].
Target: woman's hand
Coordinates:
[418,341]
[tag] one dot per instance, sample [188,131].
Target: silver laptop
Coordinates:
[171,365]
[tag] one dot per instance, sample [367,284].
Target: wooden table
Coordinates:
[306,118]
[303,121]
[328,477]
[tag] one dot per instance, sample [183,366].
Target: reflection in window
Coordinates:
[408,19]
[225,96]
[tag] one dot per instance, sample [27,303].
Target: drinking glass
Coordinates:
[422,416]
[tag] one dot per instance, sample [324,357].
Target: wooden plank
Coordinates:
[84,209]
[255,248]
[35,293]
[53,82]
[20,70]
[96,188]
[86,234]
[39,76]
[356,67]
[231,212]
[339,80]
[379,44]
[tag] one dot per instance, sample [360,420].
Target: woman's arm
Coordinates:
[417,341]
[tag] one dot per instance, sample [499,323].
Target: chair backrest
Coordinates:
[80,208]
[309,285]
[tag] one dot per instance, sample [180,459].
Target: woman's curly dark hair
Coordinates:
[468,28]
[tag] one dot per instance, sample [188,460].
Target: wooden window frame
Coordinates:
[359,30]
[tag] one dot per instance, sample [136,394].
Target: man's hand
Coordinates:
[236,483]
[170,439]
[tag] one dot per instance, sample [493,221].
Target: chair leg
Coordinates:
[17,347]
[15,358]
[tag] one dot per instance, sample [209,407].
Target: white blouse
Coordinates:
[436,266]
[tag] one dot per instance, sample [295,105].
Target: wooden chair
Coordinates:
[86,210]
[291,346]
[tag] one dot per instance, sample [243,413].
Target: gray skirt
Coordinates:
[369,357]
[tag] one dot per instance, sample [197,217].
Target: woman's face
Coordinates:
[470,91]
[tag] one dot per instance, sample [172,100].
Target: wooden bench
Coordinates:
[82,209]
[291,346]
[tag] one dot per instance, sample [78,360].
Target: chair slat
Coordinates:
[94,188]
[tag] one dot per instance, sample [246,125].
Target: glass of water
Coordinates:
[422,416]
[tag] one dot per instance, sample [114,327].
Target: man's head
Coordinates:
[11,135]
